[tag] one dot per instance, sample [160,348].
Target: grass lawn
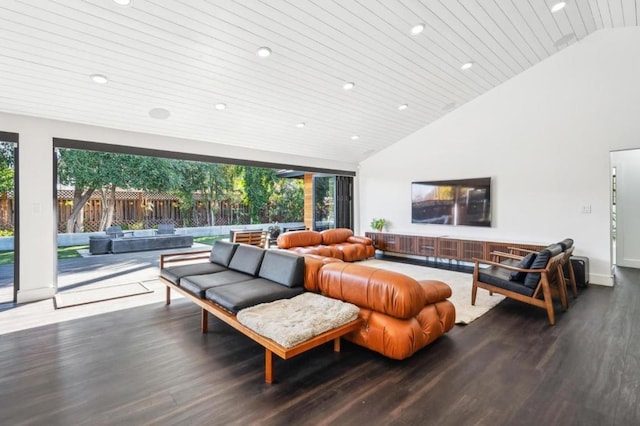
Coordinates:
[6,257]
[209,240]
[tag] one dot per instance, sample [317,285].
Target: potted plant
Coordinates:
[378,224]
[274,231]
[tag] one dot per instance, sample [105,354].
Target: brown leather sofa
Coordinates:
[339,243]
[401,315]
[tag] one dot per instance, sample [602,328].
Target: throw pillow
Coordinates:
[525,263]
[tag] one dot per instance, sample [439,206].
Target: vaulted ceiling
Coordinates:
[182,58]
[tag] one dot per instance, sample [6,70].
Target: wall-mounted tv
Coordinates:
[452,202]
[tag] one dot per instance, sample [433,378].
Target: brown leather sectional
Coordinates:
[339,243]
[401,315]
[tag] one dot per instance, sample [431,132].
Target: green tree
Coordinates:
[258,187]
[287,201]
[90,171]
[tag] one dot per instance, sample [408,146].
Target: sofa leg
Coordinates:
[168,296]
[204,321]
[336,344]
[268,366]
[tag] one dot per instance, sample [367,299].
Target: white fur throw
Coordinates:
[292,321]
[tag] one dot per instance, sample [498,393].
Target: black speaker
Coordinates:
[580,269]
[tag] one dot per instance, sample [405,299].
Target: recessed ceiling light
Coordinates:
[123,2]
[263,52]
[159,113]
[99,78]
[403,107]
[466,65]
[301,125]
[349,85]
[355,137]
[558,6]
[220,107]
[417,29]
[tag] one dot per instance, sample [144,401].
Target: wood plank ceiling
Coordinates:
[186,57]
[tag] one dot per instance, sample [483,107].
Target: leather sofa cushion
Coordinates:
[247,259]
[234,297]
[335,236]
[533,278]
[299,239]
[524,263]
[222,252]
[567,243]
[499,277]
[176,273]
[400,338]
[198,284]
[312,265]
[360,240]
[283,267]
[384,291]
[434,291]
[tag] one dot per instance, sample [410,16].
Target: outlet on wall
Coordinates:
[586,209]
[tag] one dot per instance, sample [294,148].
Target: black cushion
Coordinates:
[222,252]
[198,284]
[283,267]
[499,277]
[524,263]
[247,259]
[234,297]
[567,243]
[176,273]
[533,278]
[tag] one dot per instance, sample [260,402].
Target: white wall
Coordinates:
[37,206]
[543,136]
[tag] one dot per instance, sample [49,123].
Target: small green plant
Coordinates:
[378,224]
[6,232]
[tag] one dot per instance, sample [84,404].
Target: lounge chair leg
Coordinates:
[548,303]
[336,344]
[474,291]
[168,296]
[572,280]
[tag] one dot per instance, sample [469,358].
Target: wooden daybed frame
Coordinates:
[269,345]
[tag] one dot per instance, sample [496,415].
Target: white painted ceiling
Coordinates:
[188,56]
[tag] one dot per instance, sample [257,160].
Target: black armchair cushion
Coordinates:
[533,278]
[222,252]
[567,243]
[525,263]
[500,277]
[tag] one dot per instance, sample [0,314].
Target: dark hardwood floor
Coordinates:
[151,365]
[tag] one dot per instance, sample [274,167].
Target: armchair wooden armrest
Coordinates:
[521,250]
[183,256]
[496,255]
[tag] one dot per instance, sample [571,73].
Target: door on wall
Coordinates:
[626,208]
[8,226]
[324,206]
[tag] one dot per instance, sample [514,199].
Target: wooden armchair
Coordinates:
[528,279]
[254,238]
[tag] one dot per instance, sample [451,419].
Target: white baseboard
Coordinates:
[601,279]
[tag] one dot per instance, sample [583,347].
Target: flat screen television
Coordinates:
[452,202]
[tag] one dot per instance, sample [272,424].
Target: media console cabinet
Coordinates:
[452,248]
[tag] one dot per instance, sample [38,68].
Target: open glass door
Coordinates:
[8,225]
[324,202]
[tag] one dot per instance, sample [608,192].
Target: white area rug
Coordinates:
[67,299]
[459,282]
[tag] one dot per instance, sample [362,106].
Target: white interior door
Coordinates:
[627,164]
